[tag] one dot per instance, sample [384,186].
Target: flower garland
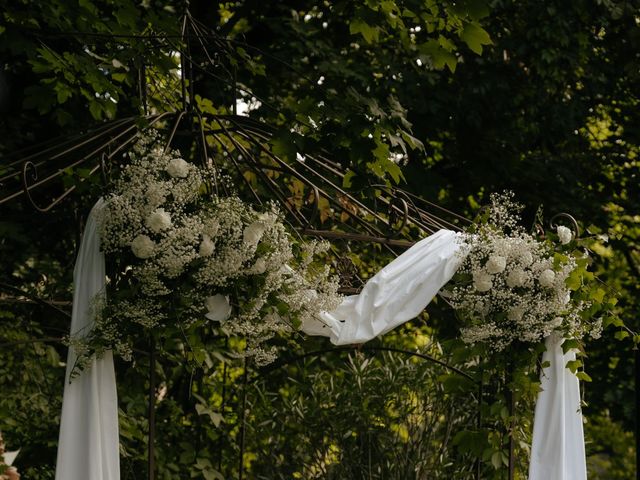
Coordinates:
[514,287]
[184,259]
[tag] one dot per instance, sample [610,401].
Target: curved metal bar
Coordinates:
[574,223]
[28,165]
[349,348]
[31,341]
[174,130]
[38,300]
[303,178]
[153,119]
[393,215]
[104,169]
[316,207]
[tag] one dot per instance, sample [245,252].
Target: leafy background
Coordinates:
[449,100]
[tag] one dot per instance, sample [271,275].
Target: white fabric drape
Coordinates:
[403,288]
[88,443]
[557,451]
[396,294]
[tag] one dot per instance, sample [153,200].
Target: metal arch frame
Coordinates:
[37,168]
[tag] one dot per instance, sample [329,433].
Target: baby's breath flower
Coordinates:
[516,291]
[193,259]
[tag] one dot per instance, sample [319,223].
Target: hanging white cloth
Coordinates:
[557,451]
[88,443]
[404,287]
[396,294]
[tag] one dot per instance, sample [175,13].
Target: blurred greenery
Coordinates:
[450,100]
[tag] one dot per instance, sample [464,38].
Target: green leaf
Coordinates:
[475,37]
[477,9]
[346,181]
[574,365]
[439,56]
[621,334]
[215,417]
[96,110]
[284,146]
[570,344]
[412,141]
[119,77]
[598,295]
[89,6]
[370,34]
[496,460]
[583,376]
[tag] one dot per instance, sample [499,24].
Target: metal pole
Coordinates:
[512,409]
[479,421]
[637,408]
[152,410]
[243,422]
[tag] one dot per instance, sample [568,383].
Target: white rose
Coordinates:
[259,267]
[212,228]
[206,246]
[556,322]
[178,168]
[526,258]
[516,278]
[547,278]
[482,281]
[564,234]
[219,308]
[158,220]
[515,314]
[253,233]
[142,246]
[155,194]
[496,264]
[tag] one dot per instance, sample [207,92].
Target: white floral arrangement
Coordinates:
[514,287]
[184,258]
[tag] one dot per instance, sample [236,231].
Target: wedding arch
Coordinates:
[261,162]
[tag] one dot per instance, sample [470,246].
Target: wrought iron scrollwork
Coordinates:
[555,222]
[30,167]
[348,273]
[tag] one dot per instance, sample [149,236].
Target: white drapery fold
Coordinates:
[404,287]
[396,294]
[557,450]
[88,446]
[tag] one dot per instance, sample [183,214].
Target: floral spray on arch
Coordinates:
[513,286]
[184,259]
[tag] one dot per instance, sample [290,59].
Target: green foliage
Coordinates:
[358,416]
[610,453]
[549,110]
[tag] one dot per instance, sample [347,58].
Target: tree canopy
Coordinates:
[449,100]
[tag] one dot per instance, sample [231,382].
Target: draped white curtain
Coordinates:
[404,287]
[557,451]
[88,443]
[396,294]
